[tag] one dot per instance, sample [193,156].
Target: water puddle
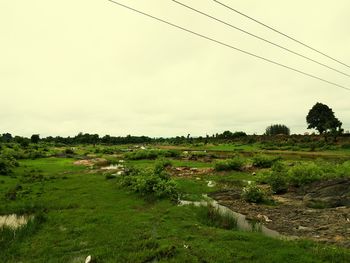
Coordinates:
[13,221]
[242,222]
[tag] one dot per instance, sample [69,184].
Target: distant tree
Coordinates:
[7,137]
[322,118]
[277,129]
[35,138]
[24,142]
[238,134]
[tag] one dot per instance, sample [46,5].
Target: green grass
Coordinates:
[85,214]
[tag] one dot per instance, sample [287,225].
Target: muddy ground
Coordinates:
[294,213]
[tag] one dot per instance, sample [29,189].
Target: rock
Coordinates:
[303,228]
[263,217]
[329,193]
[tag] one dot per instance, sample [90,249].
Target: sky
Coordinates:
[92,66]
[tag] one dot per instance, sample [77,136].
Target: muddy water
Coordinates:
[13,221]
[242,222]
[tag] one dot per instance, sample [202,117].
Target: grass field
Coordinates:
[85,214]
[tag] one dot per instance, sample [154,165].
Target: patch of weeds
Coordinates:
[234,164]
[110,176]
[317,204]
[212,216]
[264,161]
[13,193]
[254,194]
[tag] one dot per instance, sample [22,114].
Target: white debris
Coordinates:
[13,221]
[211,184]
[88,259]
[265,218]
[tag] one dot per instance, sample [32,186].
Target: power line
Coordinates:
[229,46]
[260,38]
[281,33]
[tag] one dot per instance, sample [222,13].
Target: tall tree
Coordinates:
[35,138]
[322,118]
[277,129]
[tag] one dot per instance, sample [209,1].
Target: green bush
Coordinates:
[7,163]
[254,194]
[304,173]
[235,164]
[278,182]
[160,166]
[142,155]
[264,161]
[154,183]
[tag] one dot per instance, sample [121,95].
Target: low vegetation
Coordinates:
[234,164]
[79,211]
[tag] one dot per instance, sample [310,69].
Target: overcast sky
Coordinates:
[91,66]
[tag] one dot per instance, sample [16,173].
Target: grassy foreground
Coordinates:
[85,214]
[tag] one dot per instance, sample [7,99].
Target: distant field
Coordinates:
[82,213]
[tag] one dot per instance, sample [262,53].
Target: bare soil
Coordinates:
[292,215]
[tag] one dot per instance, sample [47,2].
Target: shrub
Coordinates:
[264,161]
[305,173]
[235,164]
[160,166]
[7,163]
[278,182]
[142,155]
[154,183]
[277,129]
[254,194]
[68,151]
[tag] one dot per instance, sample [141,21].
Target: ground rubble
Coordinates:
[292,215]
[189,172]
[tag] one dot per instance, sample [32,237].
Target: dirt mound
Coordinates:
[330,193]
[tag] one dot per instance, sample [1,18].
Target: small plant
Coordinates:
[212,216]
[264,161]
[235,164]
[69,151]
[254,194]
